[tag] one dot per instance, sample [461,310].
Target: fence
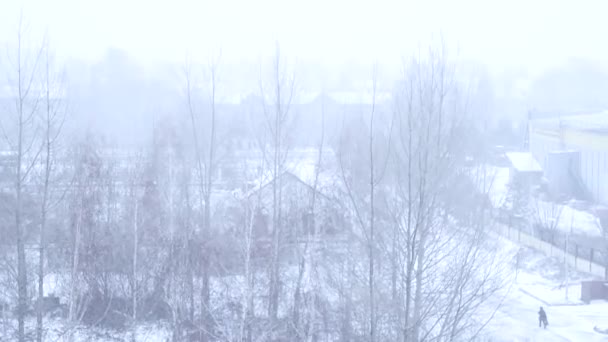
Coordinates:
[575,261]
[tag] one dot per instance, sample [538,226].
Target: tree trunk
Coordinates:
[74,274]
[44,209]
[418,300]
[41,249]
[205,313]
[21,260]
[276,225]
[134,281]
[21,270]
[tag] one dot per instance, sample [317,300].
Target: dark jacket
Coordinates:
[542,315]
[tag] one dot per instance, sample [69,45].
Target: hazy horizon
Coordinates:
[517,35]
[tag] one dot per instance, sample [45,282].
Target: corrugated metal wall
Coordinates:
[594,155]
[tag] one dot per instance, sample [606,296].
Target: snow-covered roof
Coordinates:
[230,99]
[302,165]
[308,97]
[360,97]
[7,153]
[55,93]
[592,122]
[523,162]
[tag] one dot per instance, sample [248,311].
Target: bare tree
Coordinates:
[21,136]
[277,118]
[204,134]
[362,188]
[74,295]
[85,203]
[248,313]
[546,216]
[430,121]
[136,285]
[419,122]
[168,170]
[307,255]
[135,265]
[246,221]
[53,121]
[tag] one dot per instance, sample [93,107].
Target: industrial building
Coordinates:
[573,152]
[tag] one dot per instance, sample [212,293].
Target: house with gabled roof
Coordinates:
[305,209]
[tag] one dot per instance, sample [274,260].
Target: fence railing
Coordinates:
[574,261]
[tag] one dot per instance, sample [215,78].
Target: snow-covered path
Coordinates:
[517,320]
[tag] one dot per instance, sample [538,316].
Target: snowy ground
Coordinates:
[569,219]
[57,331]
[540,282]
[517,320]
[494,181]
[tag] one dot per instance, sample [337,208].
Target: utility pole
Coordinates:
[566,266]
[566,254]
[527,133]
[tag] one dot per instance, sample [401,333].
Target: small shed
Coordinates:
[562,169]
[524,168]
[591,290]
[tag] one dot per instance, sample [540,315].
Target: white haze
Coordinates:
[277,170]
[510,47]
[503,35]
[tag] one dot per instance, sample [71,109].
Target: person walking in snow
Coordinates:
[542,318]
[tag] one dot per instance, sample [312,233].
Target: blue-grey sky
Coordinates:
[502,34]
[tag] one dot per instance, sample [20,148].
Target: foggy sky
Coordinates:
[504,35]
